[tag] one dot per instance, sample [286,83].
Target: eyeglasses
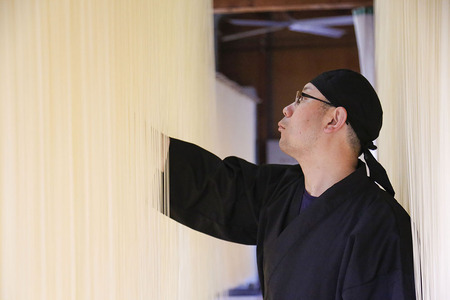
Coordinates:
[300,95]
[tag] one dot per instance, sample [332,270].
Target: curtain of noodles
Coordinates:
[86,88]
[412,55]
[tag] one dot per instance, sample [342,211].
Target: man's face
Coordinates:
[302,123]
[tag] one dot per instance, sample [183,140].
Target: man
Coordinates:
[323,229]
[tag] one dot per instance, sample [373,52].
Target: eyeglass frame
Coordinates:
[309,96]
[297,98]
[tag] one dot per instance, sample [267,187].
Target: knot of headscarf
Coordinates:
[352,91]
[369,145]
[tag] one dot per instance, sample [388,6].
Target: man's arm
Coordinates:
[218,197]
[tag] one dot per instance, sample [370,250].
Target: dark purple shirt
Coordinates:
[306,200]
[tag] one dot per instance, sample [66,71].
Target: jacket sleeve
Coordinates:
[221,198]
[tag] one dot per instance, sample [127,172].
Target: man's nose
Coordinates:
[287,111]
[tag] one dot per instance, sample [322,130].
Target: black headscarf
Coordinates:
[352,91]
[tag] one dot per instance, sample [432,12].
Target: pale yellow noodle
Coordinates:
[87,90]
[412,58]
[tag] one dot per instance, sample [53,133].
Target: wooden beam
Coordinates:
[247,6]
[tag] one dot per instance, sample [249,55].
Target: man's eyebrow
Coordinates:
[306,88]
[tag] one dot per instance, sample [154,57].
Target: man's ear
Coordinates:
[336,119]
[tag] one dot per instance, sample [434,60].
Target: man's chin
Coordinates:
[283,146]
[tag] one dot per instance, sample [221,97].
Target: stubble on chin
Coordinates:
[284,146]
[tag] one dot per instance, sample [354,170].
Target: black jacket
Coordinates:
[353,242]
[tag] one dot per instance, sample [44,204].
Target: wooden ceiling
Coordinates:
[248,6]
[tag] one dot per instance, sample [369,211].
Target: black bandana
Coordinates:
[352,91]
